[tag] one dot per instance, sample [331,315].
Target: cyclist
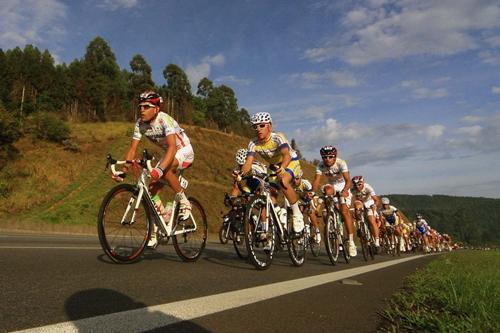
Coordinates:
[392,217]
[422,227]
[304,190]
[164,131]
[365,197]
[339,182]
[276,150]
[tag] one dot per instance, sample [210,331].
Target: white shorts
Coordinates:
[338,187]
[185,156]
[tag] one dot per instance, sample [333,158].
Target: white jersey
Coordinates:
[304,186]
[334,172]
[365,194]
[421,224]
[159,128]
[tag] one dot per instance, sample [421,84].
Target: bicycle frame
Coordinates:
[166,227]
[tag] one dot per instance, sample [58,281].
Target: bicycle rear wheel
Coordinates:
[260,241]
[331,239]
[224,233]
[190,244]
[239,245]
[122,239]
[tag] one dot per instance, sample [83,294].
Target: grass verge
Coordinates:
[458,292]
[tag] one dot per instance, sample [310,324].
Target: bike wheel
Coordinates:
[260,243]
[122,239]
[315,247]
[345,252]
[296,244]
[331,239]
[190,244]
[239,245]
[223,233]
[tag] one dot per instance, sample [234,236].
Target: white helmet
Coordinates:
[241,156]
[385,201]
[261,117]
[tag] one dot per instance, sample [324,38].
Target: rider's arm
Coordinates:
[248,165]
[170,152]
[285,152]
[315,184]
[131,153]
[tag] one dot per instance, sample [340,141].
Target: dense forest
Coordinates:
[472,220]
[36,94]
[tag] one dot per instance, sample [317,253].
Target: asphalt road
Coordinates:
[67,279]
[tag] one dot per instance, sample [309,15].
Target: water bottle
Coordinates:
[167,212]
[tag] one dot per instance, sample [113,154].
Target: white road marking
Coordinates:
[157,316]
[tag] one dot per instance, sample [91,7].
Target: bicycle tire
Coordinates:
[315,247]
[239,245]
[331,239]
[297,245]
[345,251]
[259,257]
[189,245]
[223,233]
[123,243]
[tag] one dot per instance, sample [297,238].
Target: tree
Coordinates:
[104,80]
[222,106]
[178,93]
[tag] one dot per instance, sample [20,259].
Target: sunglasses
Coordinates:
[329,157]
[259,126]
[146,107]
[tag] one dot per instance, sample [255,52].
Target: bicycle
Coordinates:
[364,234]
[127,215]
[233,226]
[263,229]
[311,240]
[391,241]
[335,241]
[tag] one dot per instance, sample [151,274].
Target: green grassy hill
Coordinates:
[52,188]
[471,220]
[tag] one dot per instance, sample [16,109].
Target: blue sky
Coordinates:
[408,91]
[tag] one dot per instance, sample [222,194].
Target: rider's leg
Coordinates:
[289,192]
[374,227]
[183,158]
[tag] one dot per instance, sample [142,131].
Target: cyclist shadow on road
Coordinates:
[107,310]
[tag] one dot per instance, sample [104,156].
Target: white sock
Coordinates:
[296,209]
[351,238]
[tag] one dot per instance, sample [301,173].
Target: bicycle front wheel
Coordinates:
[190,243]
[331,239]
[123,230]
[259,238]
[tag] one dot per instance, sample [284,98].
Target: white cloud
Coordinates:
[310,80]
[420,92]
[470,130]
[490,57]
[409,28]
[30,22]
[118,4]
[493,41]
[471,119]
[495,90]
[232,79]
[433,132]
[197,72]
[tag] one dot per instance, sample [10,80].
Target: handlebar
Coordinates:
[145,162]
